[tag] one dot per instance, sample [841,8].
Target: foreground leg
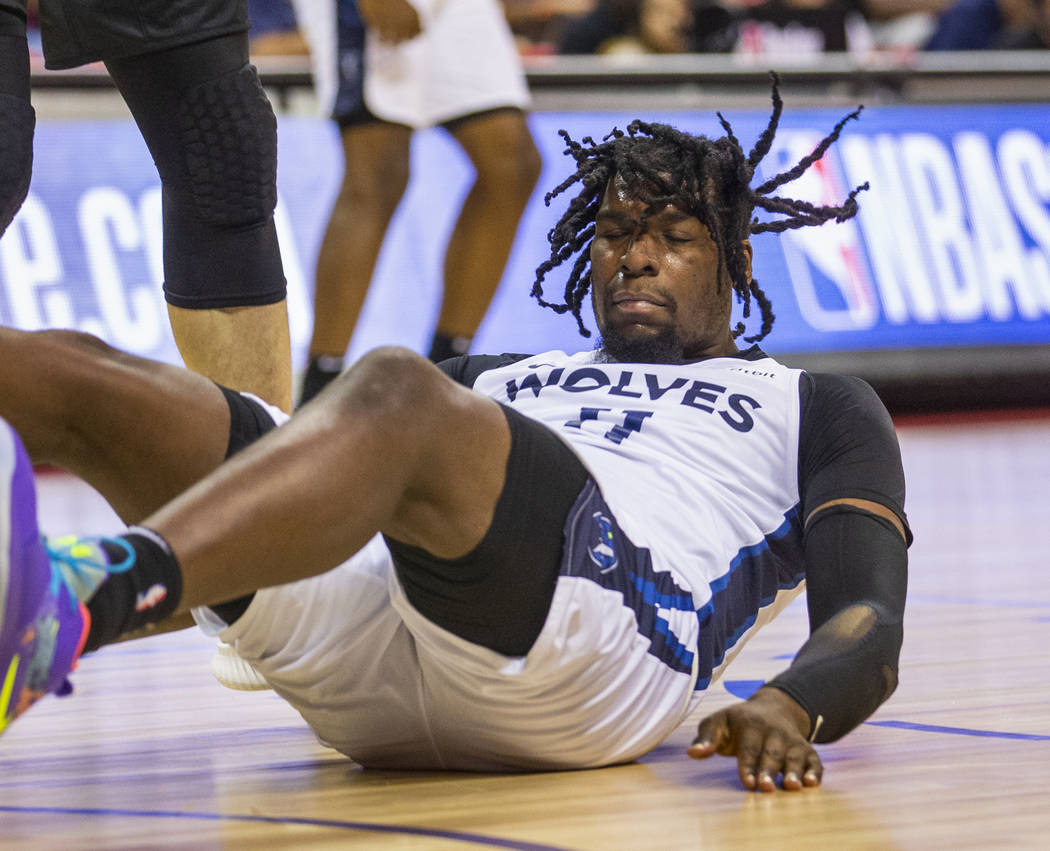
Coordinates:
[213,137]
[138,431]
[394,447]
[243,348]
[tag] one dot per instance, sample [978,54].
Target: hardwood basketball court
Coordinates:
[151,752]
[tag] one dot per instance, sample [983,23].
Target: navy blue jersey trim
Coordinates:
[596,548]
[756,575]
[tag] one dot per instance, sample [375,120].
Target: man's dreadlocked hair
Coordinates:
[673,167]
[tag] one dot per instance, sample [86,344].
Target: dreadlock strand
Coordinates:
[765,307]
[806,162]
[728,128]
[765,140]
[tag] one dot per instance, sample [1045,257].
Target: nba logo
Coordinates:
[826,264]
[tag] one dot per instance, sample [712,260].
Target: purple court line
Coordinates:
[1006,603]
[959,731]
[745,688]
[477,839]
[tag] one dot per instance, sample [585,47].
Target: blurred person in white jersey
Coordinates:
[511,562]
[383,69]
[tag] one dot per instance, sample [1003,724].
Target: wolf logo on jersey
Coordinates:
[603,553]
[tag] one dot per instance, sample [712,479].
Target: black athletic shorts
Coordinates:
[499,594]
[75,32]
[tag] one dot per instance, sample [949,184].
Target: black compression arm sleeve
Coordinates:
[857,574]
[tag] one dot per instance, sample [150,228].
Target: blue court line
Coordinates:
[745,688]
[959,731]
[1006,603]
[475,838]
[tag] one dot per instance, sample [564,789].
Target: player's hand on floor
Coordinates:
[394,20]
[767,735]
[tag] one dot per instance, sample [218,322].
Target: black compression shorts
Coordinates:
[499,594]
[76,32]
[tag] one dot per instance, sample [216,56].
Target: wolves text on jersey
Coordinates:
[735,409]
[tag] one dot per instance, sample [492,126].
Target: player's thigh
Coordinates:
[499,144]
[455,455]
[376,158]
[137,430]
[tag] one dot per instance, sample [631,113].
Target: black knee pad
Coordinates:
[17,122]
[229,135]
[213,136]
[223,210]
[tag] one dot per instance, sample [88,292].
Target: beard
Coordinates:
[663,347]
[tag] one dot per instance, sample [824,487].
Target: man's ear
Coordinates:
[750,254]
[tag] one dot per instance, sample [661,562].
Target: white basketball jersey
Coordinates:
[699,464]
[696,463]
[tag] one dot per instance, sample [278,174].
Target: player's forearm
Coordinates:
[845,671]
[856,574]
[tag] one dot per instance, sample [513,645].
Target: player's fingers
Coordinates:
[795,765]
[770,761]
[814,772]
[748,753]
[711,735]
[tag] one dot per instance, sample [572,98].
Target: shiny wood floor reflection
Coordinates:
[151,752]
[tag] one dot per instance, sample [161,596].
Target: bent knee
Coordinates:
[376,188]
[79,343]
[394,382]
[509,161]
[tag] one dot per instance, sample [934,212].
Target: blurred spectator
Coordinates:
[799,28]
[649,26]
[784,30]
[781,28]
[275,31]
[903,24]
[537,24]
[993,25]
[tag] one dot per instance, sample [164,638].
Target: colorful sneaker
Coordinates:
[42,588]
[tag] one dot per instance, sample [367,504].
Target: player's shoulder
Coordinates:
[836,389]
[466,369]
[826,398]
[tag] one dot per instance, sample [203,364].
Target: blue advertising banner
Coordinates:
[951,248]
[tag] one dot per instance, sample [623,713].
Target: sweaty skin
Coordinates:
[658,292]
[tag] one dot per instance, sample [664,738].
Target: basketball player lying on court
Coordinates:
[502,563]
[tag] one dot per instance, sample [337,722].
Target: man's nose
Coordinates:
[639,255]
